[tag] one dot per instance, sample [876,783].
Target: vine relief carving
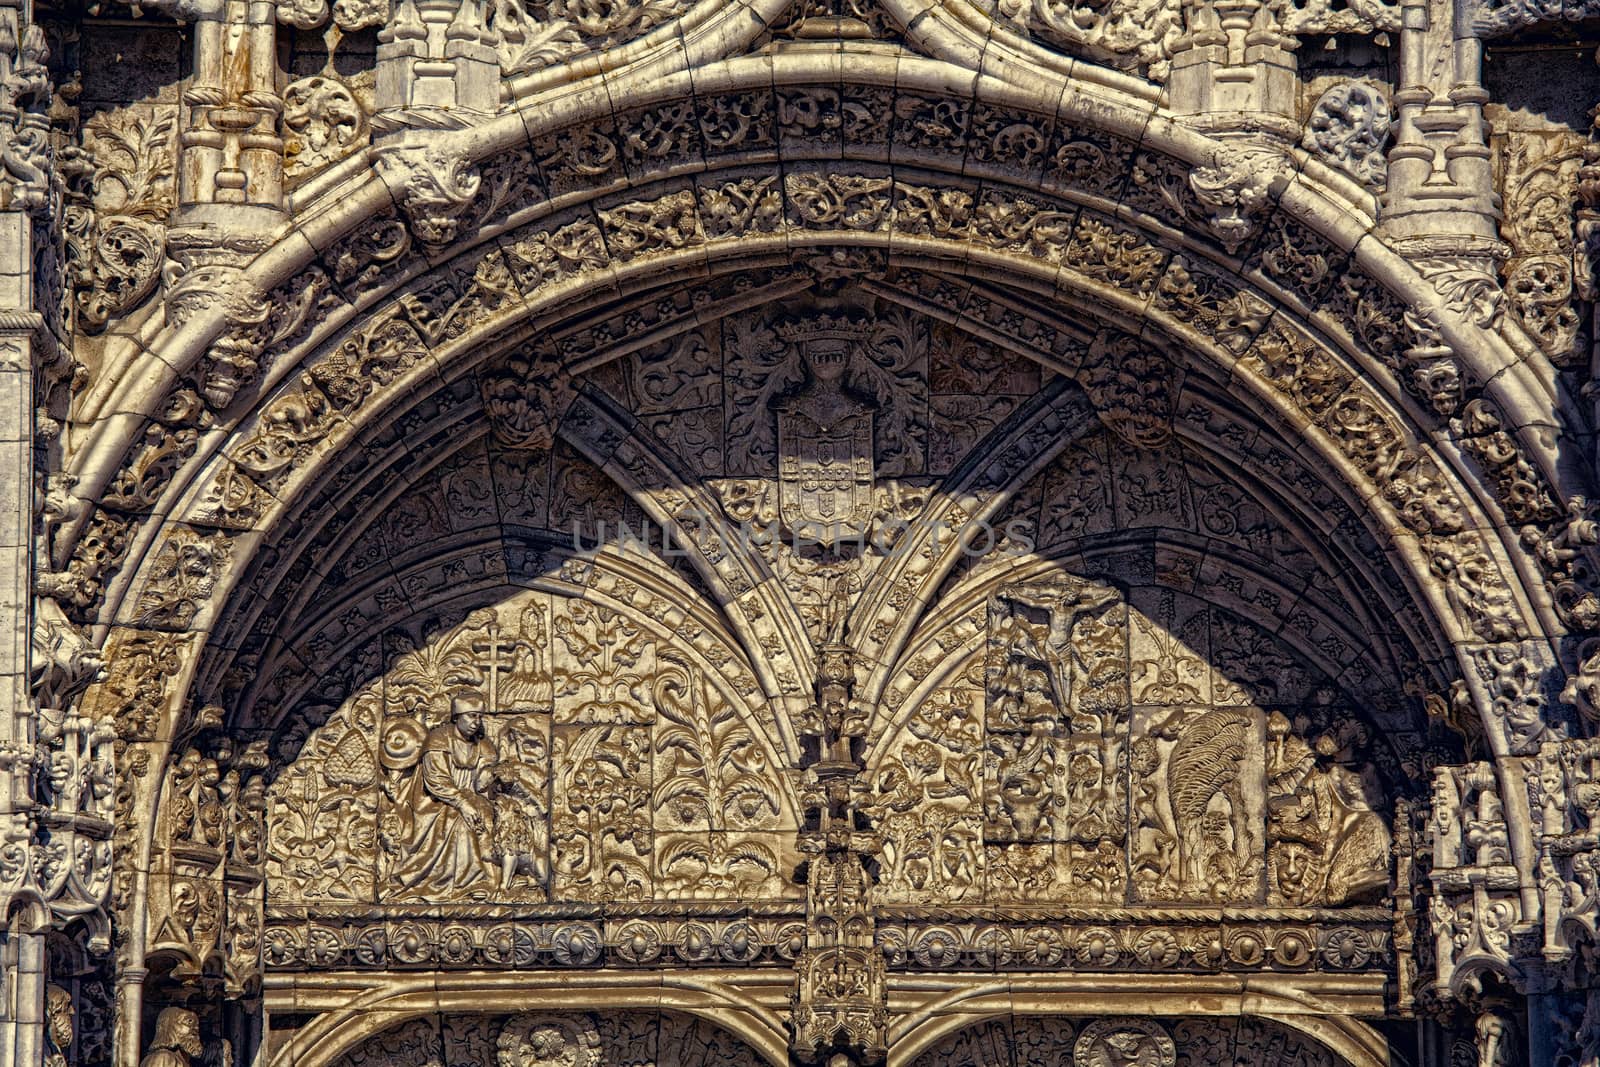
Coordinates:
[116,226]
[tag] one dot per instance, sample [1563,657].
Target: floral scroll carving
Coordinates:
[537,33]
[1542,272]
[323,120]
[118,231]
[1349,128]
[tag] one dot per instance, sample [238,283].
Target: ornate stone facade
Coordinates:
[571,533]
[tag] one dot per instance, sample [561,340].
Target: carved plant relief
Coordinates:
[543,749]
[554,1039]
[324,119]
[537,33]
[1349,128]
[117,247]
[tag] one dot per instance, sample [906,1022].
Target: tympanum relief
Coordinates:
[1093,750]
[1119,734]
[543,749]
[1020,1041]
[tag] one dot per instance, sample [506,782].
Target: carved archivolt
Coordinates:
[1076,156]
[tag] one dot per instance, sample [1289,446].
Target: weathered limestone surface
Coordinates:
[573,533]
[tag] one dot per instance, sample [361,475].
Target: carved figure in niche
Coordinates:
[446,816]
[1497,1037]
[1329,846]
[177,1039]
[58,1025]
[825,451]
[65,661]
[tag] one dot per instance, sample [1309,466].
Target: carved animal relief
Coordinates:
[1122,764]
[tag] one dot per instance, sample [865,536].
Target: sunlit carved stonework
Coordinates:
[808,533]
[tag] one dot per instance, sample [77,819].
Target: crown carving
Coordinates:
[824,327]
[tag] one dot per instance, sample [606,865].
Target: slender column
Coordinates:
[230,173]
[23,1004]
[1440,207]
[23,193]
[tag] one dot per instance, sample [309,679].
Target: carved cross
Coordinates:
[494,648]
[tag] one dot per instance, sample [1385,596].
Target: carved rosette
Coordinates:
[1349,128]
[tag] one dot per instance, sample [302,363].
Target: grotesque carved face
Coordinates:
[1294,869]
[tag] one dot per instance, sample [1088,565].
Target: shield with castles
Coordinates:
[825,460]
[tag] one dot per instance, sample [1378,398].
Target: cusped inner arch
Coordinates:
[703,400]
[1085,247]
[554,1039]
[1024,1041]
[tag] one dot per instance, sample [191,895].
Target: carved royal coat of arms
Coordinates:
[825,447]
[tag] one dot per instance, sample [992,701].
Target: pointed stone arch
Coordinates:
[492,272]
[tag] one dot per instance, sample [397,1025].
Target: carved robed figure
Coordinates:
[446,817]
